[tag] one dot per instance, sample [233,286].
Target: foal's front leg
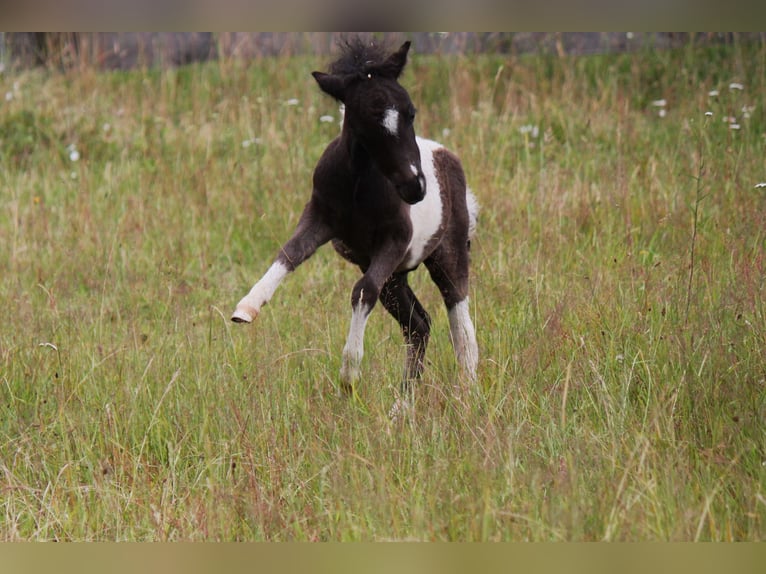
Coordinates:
[310,234]
[363,298]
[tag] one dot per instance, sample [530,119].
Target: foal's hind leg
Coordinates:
[449,270]
[399,300]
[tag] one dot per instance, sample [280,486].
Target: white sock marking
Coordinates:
[464,338]
[391,121]
[353,351]
[262,291]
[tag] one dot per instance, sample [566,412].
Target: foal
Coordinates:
[388,201]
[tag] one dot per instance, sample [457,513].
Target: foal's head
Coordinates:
[379,112]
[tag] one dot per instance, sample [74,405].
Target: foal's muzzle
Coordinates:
[413,190]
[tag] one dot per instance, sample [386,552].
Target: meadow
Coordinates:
[618,287]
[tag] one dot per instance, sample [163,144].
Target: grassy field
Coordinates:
[618,289]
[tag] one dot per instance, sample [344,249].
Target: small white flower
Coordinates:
[73,175]
[326,119]
[106,127]
[761,185]
[74,155]
[251,141]
[8,96]
[709,114]
[292,102]
[662,112]
[746,111]
[736,86]
[629,35]
[734,126]
[712,93]
[446,132]
[533,131]
[660,103]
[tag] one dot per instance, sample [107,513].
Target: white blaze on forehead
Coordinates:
[391,121]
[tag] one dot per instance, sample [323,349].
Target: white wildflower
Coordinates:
[736,86]
[709,114]
[252,141]
[662,112]
[292,102]
[446,132]
[712,93]
[734,126]
[660,103]
[530,129]
[629,35]
[106,127]
[8,96]
[746,111]
[326,119]
[74,155]
[761,185]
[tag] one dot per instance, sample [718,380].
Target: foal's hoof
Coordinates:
[244,314]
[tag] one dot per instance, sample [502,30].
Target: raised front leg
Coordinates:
[310,234]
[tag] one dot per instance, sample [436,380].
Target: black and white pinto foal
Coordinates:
[388,201]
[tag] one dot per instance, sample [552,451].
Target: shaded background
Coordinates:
[110,50]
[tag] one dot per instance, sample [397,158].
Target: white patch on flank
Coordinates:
[262,291]
[391,121]
[426,215]
[353,351]
[464,338]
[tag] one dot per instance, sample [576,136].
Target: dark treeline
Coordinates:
[110,50]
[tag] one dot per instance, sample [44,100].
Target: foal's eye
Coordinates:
[410,115]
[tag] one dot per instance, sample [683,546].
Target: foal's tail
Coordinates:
[473,212]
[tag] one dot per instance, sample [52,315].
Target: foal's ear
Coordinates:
[330,84]
[394,64]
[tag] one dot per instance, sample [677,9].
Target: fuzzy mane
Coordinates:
[359,56]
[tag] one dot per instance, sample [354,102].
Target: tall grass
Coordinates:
[617,290]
